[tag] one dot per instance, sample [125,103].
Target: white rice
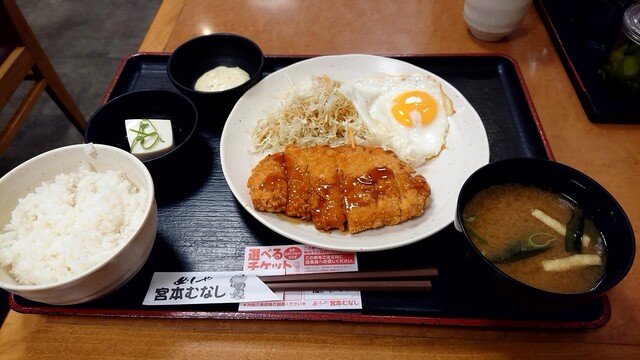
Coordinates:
[70,224]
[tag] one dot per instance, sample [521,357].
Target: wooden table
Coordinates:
[608,153]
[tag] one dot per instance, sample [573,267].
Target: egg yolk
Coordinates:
[413,108]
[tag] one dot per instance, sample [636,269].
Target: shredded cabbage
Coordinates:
[312,114]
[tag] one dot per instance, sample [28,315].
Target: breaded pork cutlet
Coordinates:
[298,187]
[413,188]
[370,191]
[268,184]
[347,188]
[324,178]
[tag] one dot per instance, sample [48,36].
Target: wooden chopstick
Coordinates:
[391,285]
[396,280]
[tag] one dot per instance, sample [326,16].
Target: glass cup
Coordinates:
[621,72]
[492,20]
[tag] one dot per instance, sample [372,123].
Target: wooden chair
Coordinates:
[23,59]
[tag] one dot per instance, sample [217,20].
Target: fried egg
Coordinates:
[408,114]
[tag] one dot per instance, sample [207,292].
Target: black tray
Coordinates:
[583,32]
[207,230]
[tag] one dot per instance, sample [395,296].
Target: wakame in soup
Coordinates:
[537,237]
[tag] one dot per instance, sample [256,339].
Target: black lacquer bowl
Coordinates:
[195,57]
[170,170]
[595,200]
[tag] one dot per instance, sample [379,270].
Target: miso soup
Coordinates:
[520,229]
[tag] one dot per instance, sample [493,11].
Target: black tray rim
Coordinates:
[354,317]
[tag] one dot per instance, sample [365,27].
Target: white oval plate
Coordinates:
[467,149]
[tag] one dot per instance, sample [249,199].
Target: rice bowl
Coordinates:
[72,255]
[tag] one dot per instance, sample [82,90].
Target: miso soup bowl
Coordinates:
[595,200]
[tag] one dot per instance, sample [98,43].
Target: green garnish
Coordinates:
[524,249]
[518,250]
[469,219]
[498,190]
[146,135]
[533,245]
[477,236]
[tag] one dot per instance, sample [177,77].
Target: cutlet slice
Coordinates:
[268,184]
[298,187]
[371,197]
[325,200]
[384,177]
[413,187]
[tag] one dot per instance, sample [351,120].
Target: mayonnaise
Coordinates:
[221,78]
